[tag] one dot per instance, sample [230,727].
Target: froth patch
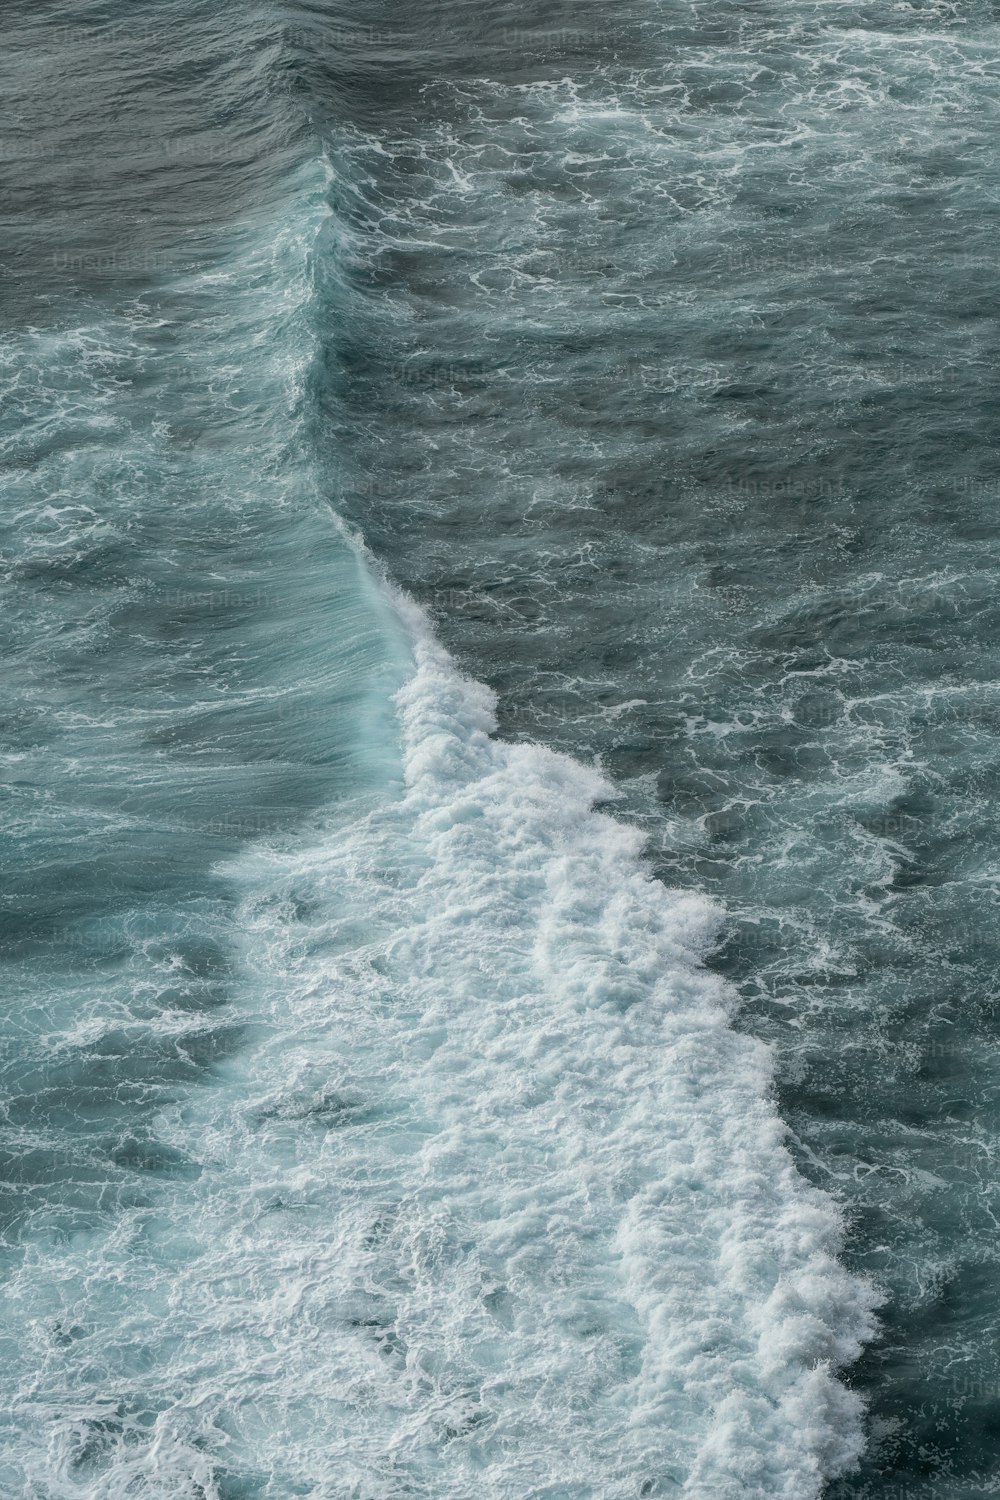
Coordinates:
[727,1256]
[493,1201]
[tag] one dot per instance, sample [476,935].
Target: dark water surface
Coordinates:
[369,1128]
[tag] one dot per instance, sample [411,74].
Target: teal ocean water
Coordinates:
[499,555]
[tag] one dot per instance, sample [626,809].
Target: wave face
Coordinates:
[372,1124]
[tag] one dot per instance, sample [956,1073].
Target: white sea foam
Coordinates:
[595,1116]
[500,1204]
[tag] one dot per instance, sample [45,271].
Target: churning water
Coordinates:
[500,731]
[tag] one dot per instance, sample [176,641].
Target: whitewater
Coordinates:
[426,1160]
[500,782]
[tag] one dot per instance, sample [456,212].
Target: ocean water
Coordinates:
[499,731]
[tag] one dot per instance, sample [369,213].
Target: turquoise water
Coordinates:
[499,556]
